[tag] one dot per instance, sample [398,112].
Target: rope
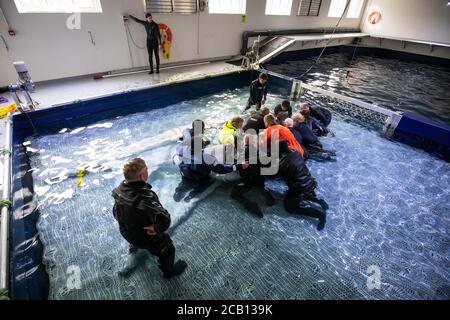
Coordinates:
[132,39]
[328,42]
[5,203]
[31,122]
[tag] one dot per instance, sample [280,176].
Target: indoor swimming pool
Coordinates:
[391,79]
[389,208]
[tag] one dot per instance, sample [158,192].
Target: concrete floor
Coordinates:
[65,90]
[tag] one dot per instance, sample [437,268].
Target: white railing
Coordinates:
[388,119]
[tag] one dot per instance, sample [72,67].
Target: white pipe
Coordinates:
[4,224]
[146,70]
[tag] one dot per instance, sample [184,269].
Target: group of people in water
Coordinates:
[283,139]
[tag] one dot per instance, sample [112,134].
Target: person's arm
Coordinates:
[265,92]
[138,20]
[159,217]
[226,168]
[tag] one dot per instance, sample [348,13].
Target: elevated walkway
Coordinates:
[274,45]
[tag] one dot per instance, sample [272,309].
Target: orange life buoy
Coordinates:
[374,17]
[166,41]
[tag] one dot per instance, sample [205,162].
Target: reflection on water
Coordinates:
[399,85]
[389,207]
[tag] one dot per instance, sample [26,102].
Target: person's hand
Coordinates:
[263,102]
[150,230]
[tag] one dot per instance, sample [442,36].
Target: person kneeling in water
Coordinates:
[309,140]
[323,115]
[195,165]
[313,123]
[251,179]
[142,219]
[301,197]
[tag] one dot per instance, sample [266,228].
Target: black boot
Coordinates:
[321,224]
[177,269]
[151,72]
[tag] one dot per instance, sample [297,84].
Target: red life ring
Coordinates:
[374,17]
[166,39]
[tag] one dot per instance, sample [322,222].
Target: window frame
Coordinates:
[242,10]
[278,14]
[343,4]
[46,8]
[361,5]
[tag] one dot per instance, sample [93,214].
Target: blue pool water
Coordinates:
[389,208]
[383,77]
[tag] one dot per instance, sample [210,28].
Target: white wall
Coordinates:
[427,20]
[51,51]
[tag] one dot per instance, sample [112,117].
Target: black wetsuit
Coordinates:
[153,40]
[137,206]
[251,179]
[279,109]
[301,195]
[316,126]
[307,135]
[281,117]
[196,167]
[321,114]
[255,122]
[258,93]
[311,144]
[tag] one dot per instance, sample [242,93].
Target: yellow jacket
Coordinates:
[228,133]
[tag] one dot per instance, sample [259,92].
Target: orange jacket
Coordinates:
[284,134]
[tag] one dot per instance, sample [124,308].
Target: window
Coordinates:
[278,7]
[354,9]
[337,8]
[309,8]
[227,6]
[58,6]
[171,6]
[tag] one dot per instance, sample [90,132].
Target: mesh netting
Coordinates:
[346,110]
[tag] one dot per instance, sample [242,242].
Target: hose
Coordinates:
[132,39]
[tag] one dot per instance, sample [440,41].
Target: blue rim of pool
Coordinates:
[27,274]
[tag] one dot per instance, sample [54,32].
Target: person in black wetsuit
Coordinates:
[258,92]
[195,165]
[301,197]
[321,114]
[153,39]
[309,140]
[285,106]
[256,120]
[314,124]
[142,219]
[251,179]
